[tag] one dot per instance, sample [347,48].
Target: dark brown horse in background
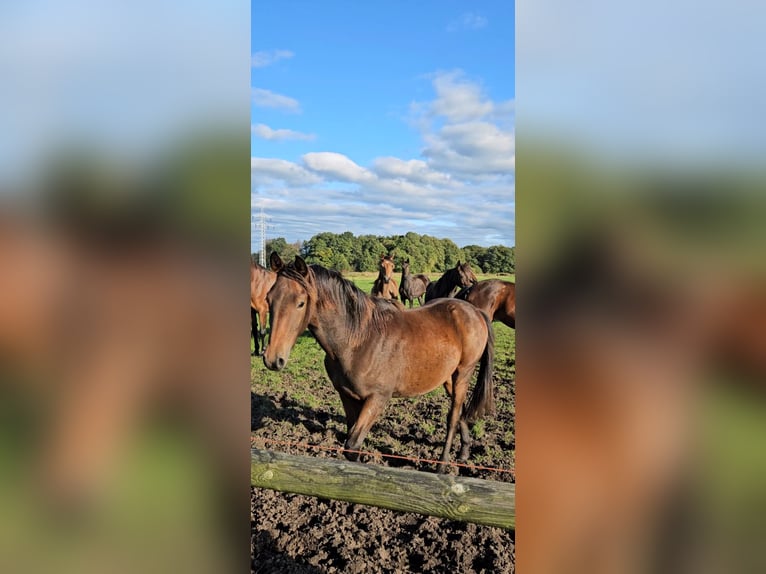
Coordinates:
[384,285]
[412,286]
[495,297]
[363,336]
[261,280]
[452,280]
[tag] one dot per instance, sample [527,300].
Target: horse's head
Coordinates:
[291,303]
[386,268]
[405,267]
[466,274]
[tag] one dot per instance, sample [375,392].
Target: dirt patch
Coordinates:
[298,534]
[304,535]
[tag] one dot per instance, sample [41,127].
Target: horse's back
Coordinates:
[440,338]
[495,297]
[443,316]
[261,282]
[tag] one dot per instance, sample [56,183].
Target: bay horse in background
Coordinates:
[385,286]
[261,280]
[362,337]
[412,286]
[452,280]
[495,297]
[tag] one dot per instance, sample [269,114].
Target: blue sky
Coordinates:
[384,117]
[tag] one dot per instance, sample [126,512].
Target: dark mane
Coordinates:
[452,279]
[464,292]
[364,315]
[444,285]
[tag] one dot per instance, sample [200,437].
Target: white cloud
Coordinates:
[268,57]
[337,166]
[268,99]
[459,99]
[471,148]
[265,132]
[467,21]
[466,133]
[414,170]
[268,170]
[461,187]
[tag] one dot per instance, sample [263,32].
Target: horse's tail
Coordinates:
[483,397]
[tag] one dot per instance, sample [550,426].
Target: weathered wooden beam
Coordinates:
[458,498]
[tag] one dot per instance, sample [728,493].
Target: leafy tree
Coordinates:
[474,254]
[452,254]
[427,254]
[499,259]
[287,251]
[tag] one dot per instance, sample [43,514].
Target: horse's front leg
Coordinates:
[371,409]
[351,406]
[254,330]
[262,331]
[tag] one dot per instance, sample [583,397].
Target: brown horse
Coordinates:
[452,280]
[495,297]
[261,280]
[97,337]
[413,286]
[618,356]
[384,285]
[363,336]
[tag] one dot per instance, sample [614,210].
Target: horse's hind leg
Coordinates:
[459,392]
[465,441]
[465,433]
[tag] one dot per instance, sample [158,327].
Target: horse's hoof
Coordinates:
[352,456]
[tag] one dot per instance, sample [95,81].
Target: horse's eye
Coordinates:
[301,304]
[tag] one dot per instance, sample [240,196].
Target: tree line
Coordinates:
[427,254]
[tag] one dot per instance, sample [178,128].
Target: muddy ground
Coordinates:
[293,533]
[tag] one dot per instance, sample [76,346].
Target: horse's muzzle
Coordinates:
[277,364]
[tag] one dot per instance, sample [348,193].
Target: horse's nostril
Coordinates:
[280,362]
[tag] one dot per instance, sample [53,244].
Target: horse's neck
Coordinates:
[331,327]
[446,284]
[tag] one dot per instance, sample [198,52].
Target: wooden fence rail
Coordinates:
[458,498]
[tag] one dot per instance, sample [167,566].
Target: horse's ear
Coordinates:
[300,266]
[276,262]
[382,255]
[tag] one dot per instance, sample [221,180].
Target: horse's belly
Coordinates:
[430,371]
